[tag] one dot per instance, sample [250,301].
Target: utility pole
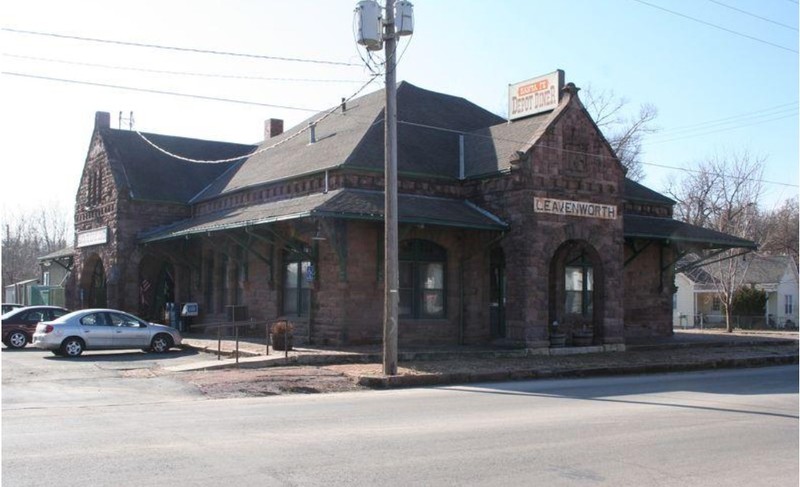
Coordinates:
[373,30]
[391,272]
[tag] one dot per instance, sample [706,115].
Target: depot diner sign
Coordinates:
[574,208]
[535,95]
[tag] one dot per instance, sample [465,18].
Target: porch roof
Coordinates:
[345,203]
[654,228]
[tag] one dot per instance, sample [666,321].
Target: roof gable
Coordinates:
[149,174]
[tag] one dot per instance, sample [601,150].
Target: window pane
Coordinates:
[573,279]
[432,276]
[404,309]
[406,275]
[433,303]
[304,282]
[573,304]
[290,276]
[305,302]
[290,301]
[589,278]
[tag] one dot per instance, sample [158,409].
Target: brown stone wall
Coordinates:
[558,167]
[648,299]
[351,311]
[100,202]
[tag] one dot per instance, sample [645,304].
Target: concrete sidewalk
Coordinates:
[685,350]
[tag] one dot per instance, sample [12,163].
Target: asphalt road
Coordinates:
[726,428]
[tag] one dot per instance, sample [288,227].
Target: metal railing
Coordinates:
[742,322]
[236,326]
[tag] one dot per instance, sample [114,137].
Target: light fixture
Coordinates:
[318,235]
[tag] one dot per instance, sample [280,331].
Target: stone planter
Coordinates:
[558,340]
[281,341]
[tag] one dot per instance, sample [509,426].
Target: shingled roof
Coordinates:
[355,139]
[668,229]
[148,174]
[349,204]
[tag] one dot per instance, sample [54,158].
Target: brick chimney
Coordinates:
[102,120]
[273,127]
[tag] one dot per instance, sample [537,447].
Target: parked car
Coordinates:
[19,324]
[6,307]
[102,329]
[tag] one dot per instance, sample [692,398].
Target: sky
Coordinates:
[723,74]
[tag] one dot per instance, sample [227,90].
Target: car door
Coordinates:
[129,332]
[31,318]
[96,330]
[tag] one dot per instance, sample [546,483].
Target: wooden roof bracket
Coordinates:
[636,252]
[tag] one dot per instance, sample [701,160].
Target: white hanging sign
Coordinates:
[535,95]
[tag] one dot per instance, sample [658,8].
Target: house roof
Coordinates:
[647,227]
[355,139]
[149,174]
[767,269]
[760,269]
[58,254]
[342,203]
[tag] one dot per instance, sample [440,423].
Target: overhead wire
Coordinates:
[261,149]
[730,31]
[177,73]
[336,108]
[180,49]
[752,14]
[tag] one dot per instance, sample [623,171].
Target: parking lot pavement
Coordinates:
[34,378]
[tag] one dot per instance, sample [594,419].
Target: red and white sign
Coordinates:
[535,95]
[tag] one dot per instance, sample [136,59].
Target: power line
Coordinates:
[657,141]
[178,73]
[160,92]
[401,122]
[570,151]
[716,26]
[262,149]
[752,14]
[718,121]
[181,49]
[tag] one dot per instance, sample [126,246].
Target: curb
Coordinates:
[397,381]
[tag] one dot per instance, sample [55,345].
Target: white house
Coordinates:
[697,303]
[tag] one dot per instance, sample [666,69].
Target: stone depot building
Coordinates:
[505,227]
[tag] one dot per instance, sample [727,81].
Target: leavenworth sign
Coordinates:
[97,236]
[574,208]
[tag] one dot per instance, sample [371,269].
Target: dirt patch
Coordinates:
[269,382]
[248,382]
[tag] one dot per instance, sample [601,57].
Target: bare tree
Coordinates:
[780,230]
[27,235]
[623,130]
[723,194]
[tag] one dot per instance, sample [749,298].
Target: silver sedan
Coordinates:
[102,329]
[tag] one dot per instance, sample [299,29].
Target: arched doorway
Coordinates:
[576,290]
[165,288]
[156,287]
[93,284]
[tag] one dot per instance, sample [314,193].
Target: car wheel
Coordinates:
[72,347]
[161,343]
[17,339]
[57,352]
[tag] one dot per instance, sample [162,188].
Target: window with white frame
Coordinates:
[788,307]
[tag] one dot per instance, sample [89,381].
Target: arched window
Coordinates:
[422,280]
[578,286]
[297,278]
